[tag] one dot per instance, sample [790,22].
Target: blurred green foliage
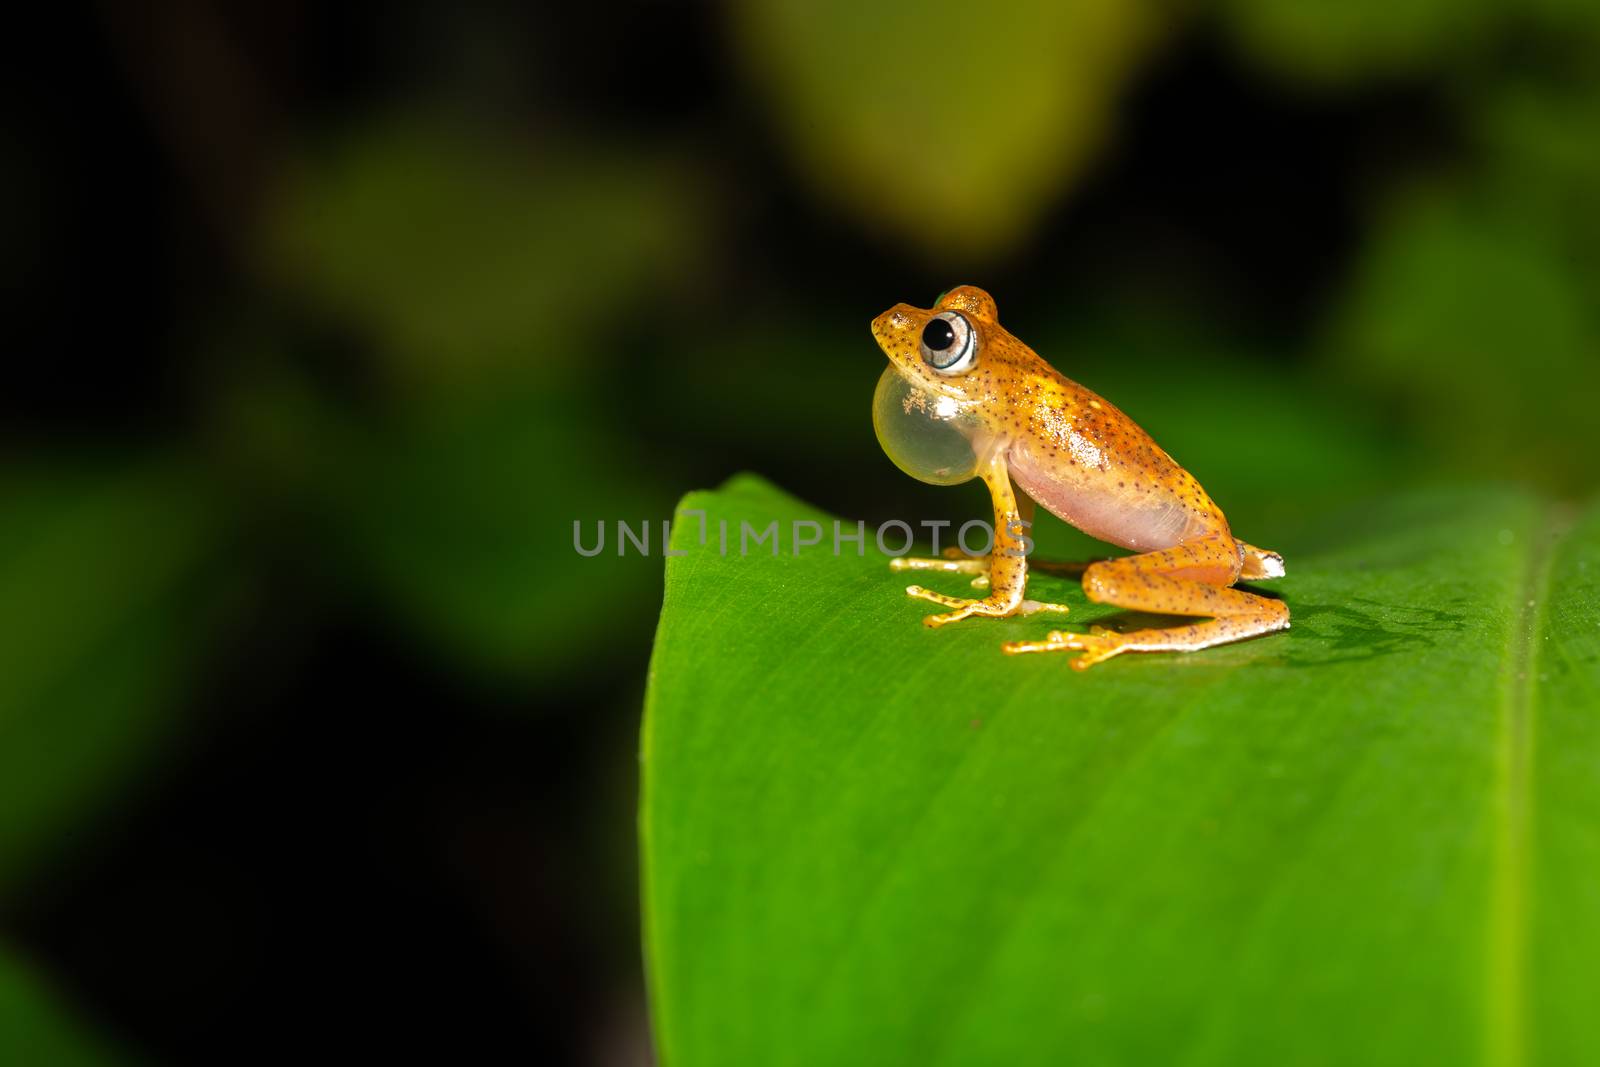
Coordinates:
[481,274]
[1484,335]
[451,522]
[112,590]
[948,126]
[464,255]
[1339,42]
[35,1028]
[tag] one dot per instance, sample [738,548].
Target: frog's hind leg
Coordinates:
[1191,579]
[1260,563]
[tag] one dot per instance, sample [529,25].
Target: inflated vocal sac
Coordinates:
[933,438]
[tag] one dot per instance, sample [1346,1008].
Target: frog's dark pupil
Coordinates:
[938,335]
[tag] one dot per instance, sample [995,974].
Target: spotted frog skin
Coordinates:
[1039,437]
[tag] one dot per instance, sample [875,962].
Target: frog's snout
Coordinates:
[891,327]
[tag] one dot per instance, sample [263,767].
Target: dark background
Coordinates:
[327,322]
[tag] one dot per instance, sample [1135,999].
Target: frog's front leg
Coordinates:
[954,561]
[1007,563]
[957,560]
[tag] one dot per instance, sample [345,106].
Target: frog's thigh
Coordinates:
[1187,580]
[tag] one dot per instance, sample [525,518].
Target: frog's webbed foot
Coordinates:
[1097,646]
[991,607]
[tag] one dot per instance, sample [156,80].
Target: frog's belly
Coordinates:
[1133,520]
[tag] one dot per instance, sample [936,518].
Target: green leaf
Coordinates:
[1370,839]
[103,611]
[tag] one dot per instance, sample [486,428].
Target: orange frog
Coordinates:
[962,398]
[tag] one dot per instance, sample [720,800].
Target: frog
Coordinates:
[963,398]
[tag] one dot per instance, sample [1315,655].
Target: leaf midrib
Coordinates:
[1507,980]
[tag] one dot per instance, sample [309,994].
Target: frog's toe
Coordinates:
[960,608]
[1096,647]
[1054,641]
[946,565]
[1018,648]
[920,593]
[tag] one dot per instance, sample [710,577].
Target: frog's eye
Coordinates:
[949,343]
